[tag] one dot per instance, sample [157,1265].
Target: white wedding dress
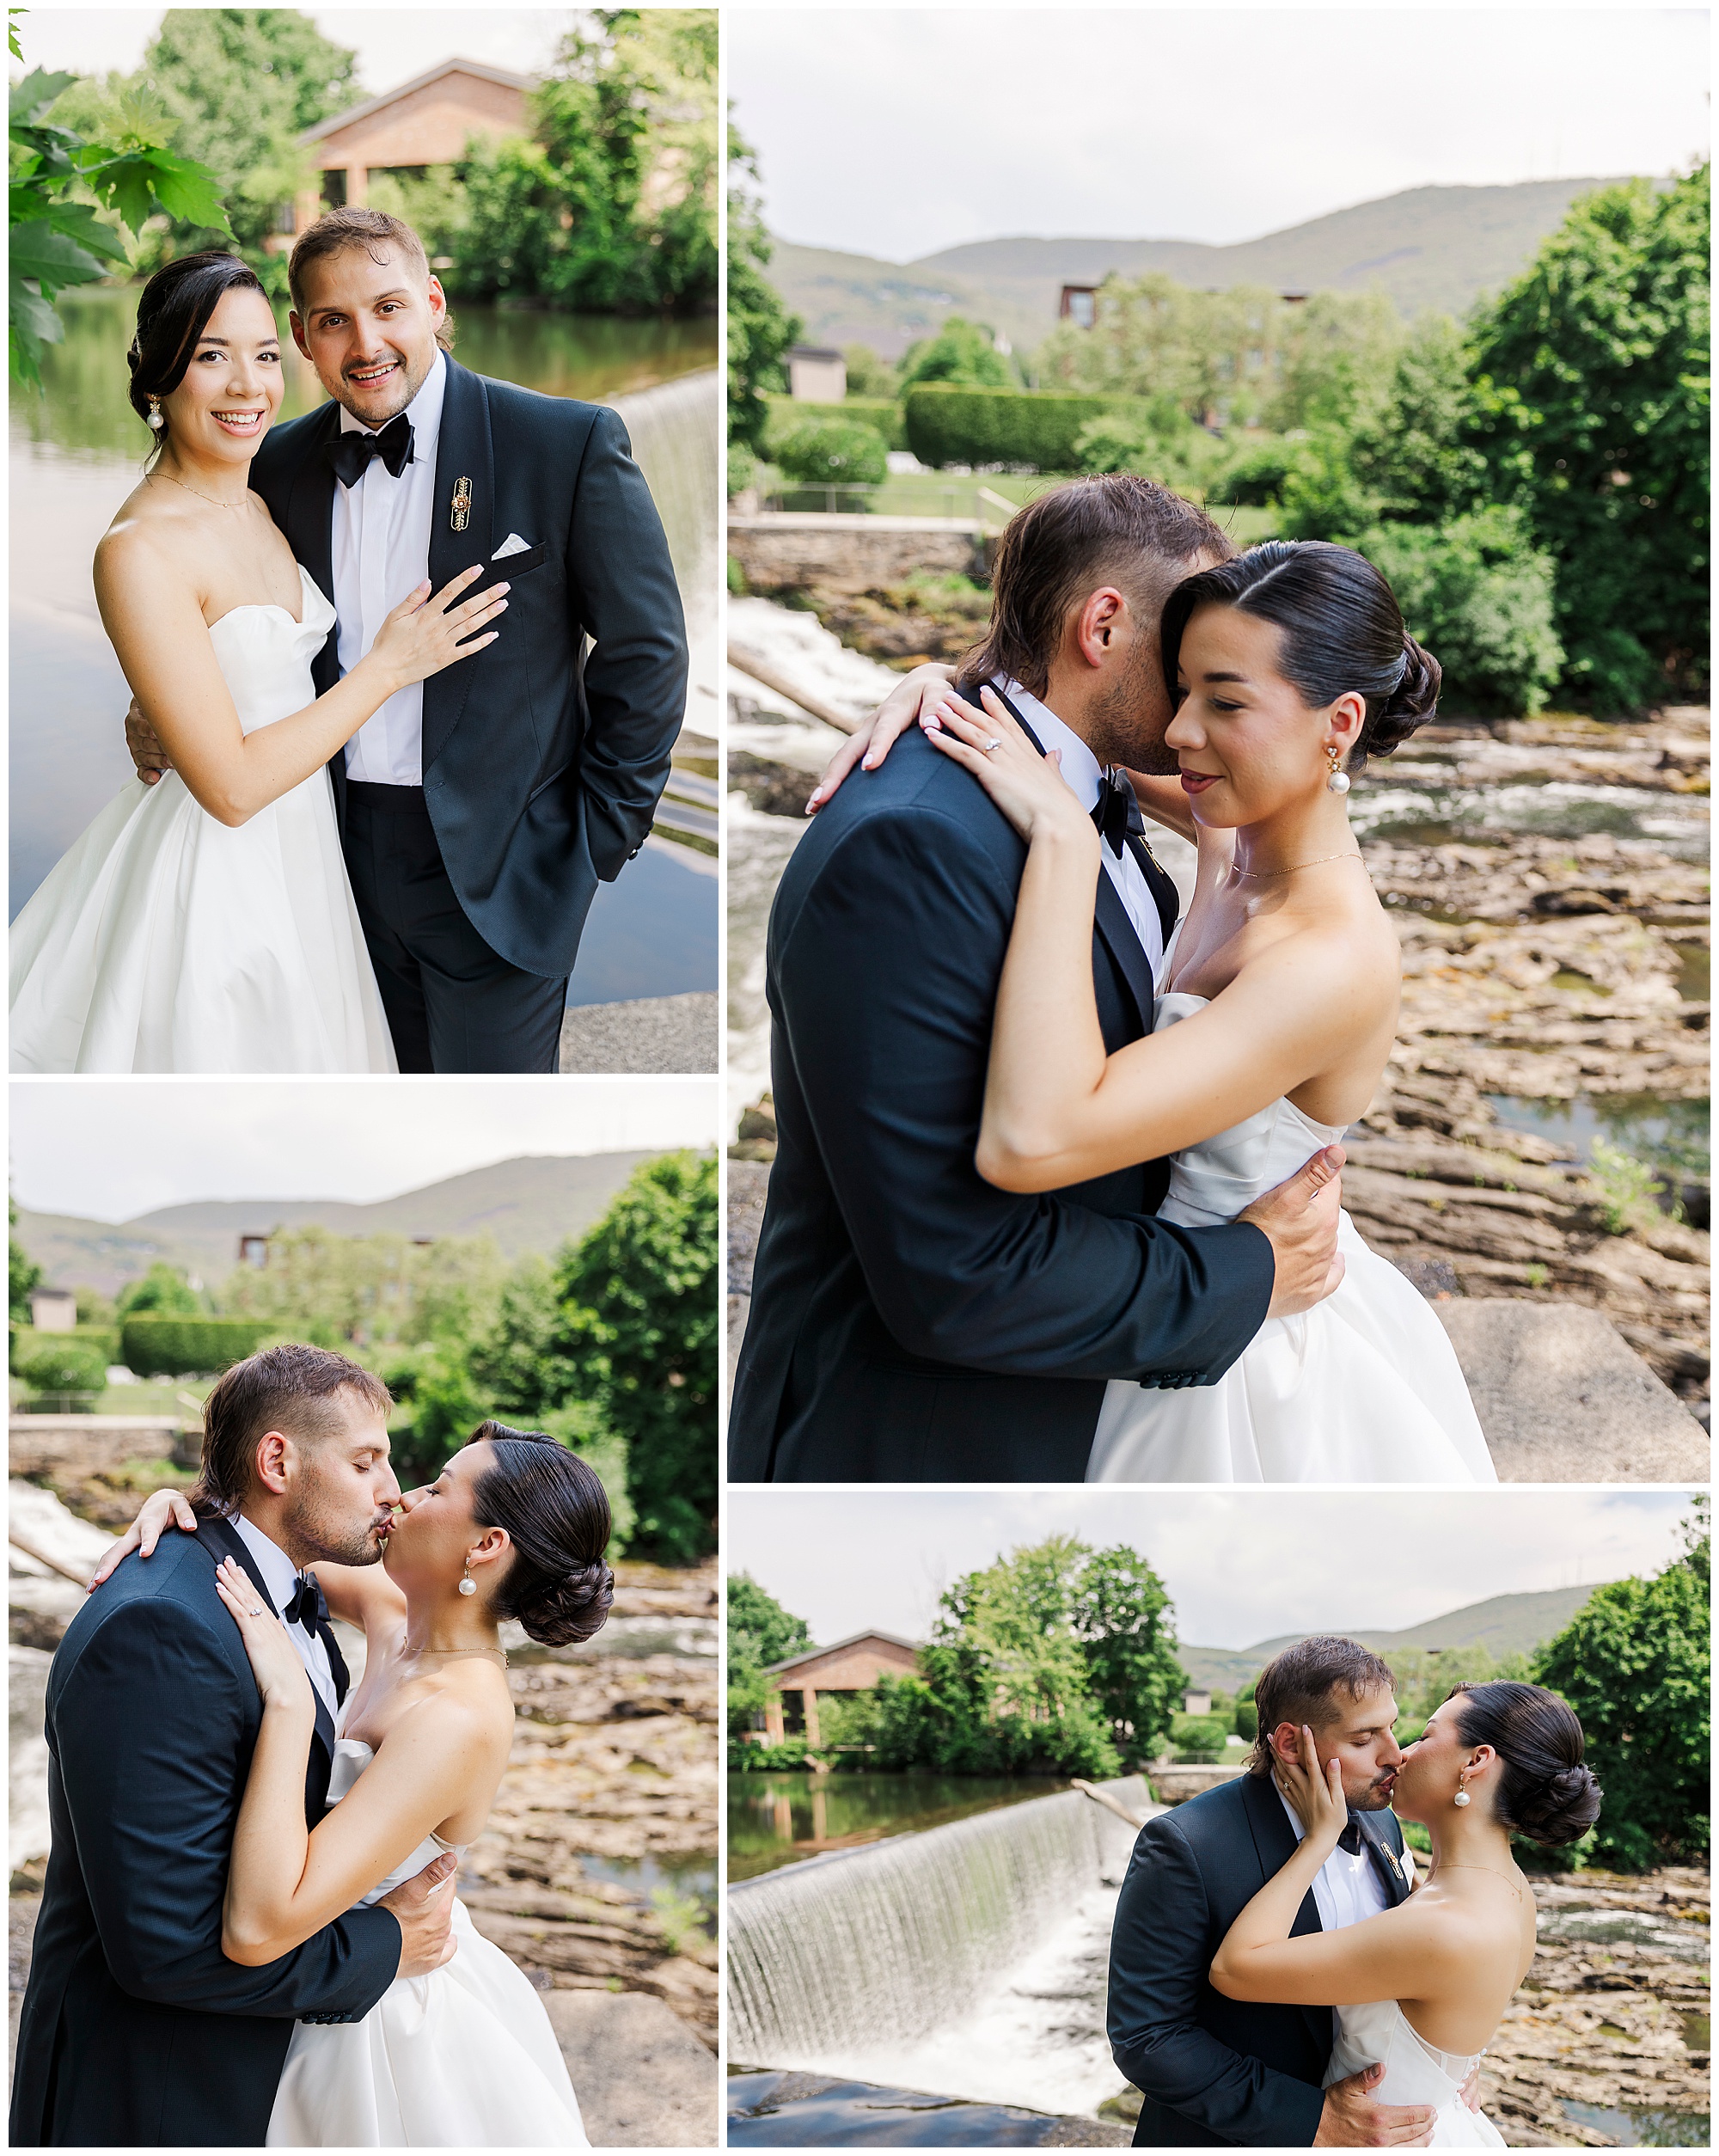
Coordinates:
[164,941]
[1414,2072]
[1363,1387]
[463,2058]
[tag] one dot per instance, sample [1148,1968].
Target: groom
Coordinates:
[1212,2072]
[478,810]
[136,2032]
[909,1322]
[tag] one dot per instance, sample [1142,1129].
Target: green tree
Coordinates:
[759,328]
[1122,1615]
[1636,1663]
[1591,413]
[962,352]
[59,1362]
[869,375]
[1409,453]
[22,1273]
[163,1292]
[637,1335]
[760,1633]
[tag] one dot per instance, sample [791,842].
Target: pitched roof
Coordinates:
[501,75]
[820,1654]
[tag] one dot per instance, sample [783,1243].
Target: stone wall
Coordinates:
[788,552]
[68,1446]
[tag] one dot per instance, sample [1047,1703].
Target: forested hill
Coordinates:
[1506,1624]
[528,1205]
[1429,247]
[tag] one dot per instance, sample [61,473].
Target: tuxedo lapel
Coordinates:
[1160,883]
[1274,1841]
[1385,1860]
[310,531]
[464,450]
[1110,917]
[223,1541]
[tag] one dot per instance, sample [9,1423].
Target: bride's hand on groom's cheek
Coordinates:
[144,745]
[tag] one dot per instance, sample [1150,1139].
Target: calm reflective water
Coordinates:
[78,452]
[779,1819]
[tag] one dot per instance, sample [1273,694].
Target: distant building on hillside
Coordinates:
[1196,1702]
[850,1666]
[1079,304]
[817,374]
[53,1310]
[426,121]
[254,1251]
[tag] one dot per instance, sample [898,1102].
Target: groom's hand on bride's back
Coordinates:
[1352,2120]
[423,1906]
[1300,1220]
[144,746]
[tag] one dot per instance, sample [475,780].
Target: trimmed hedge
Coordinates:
[946,425]
[883,413]
[26,1339]
[174,1347]
[61,1362]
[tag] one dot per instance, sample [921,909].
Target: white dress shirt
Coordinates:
[280,1576]
[1347,1889]
[382,554]
[1081,768]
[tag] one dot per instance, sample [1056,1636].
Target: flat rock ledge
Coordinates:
[1563,1398]
[643,2079]
[654,1034]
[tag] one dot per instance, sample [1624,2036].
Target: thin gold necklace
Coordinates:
[1258,874]
[445,1654]
[1486,1868]
[198,492]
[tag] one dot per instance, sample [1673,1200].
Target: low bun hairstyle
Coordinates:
[1342,633]
[556,1515]
[173,312]
[1544,1791]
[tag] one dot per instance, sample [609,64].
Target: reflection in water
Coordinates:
[778,1819]
[78,452]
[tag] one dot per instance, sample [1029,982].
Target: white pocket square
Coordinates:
[512,544]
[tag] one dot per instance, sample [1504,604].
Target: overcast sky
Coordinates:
[109,1150]
[900,132]
[393,44]
[1241,1566]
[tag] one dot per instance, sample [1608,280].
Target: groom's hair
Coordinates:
[1307,1682]
[1116,528]
[291,1389]
[372,230]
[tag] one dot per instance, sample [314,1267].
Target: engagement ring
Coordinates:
[986,747]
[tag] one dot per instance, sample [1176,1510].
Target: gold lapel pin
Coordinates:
[460,510]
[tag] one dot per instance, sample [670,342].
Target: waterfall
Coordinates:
[832,1960]
[677,434]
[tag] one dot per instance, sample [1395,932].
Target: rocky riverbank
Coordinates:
[1547,878]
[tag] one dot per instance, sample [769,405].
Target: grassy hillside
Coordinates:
[529,1205]
[1430,248]
[1507,1623]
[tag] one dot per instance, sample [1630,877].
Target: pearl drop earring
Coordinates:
[469,1586]
[1462,1796]
[156,420]
[1338,781]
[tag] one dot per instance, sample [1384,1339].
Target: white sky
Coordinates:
[1240,1564]
[393,44]
[901,132]
[110,1150]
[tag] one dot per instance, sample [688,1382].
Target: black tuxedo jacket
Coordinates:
[136,2032]
[1217,2073]
[543,767]
[908,1321]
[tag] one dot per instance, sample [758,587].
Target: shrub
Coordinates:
[174,1347]
[104,1337]
[1246,1720]
[823,451]
[65,1365]
[743,470]
[1625,1188]
[882,414]
[1254,475]
[767,1759]
[1478,594]
[1199,1738]
[947,426]
[961,352]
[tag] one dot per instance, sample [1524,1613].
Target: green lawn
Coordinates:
[942,494]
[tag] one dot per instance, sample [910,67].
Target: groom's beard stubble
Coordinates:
[1125,726]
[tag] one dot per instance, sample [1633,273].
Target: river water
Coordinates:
[77,452]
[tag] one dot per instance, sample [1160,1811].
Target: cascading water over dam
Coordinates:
[848,1963]
[675,430]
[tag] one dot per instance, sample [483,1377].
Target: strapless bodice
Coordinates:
[350,1758]
[1416,2072]
[1210,1183]
[266,656]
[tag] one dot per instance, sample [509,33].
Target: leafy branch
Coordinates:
[59,186]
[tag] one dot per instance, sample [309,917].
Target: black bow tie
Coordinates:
[307,1606]
[351,454]
[1349,1839]
[1117,812]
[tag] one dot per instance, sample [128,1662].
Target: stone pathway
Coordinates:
[671,1034]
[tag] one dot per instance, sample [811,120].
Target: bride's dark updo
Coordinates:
[1545,1791]
[173,312]
[556,1515]
[1342,633]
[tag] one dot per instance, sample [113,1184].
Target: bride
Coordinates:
[207,923]
[1277,1008]
[514,1526]
[1421,1988]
